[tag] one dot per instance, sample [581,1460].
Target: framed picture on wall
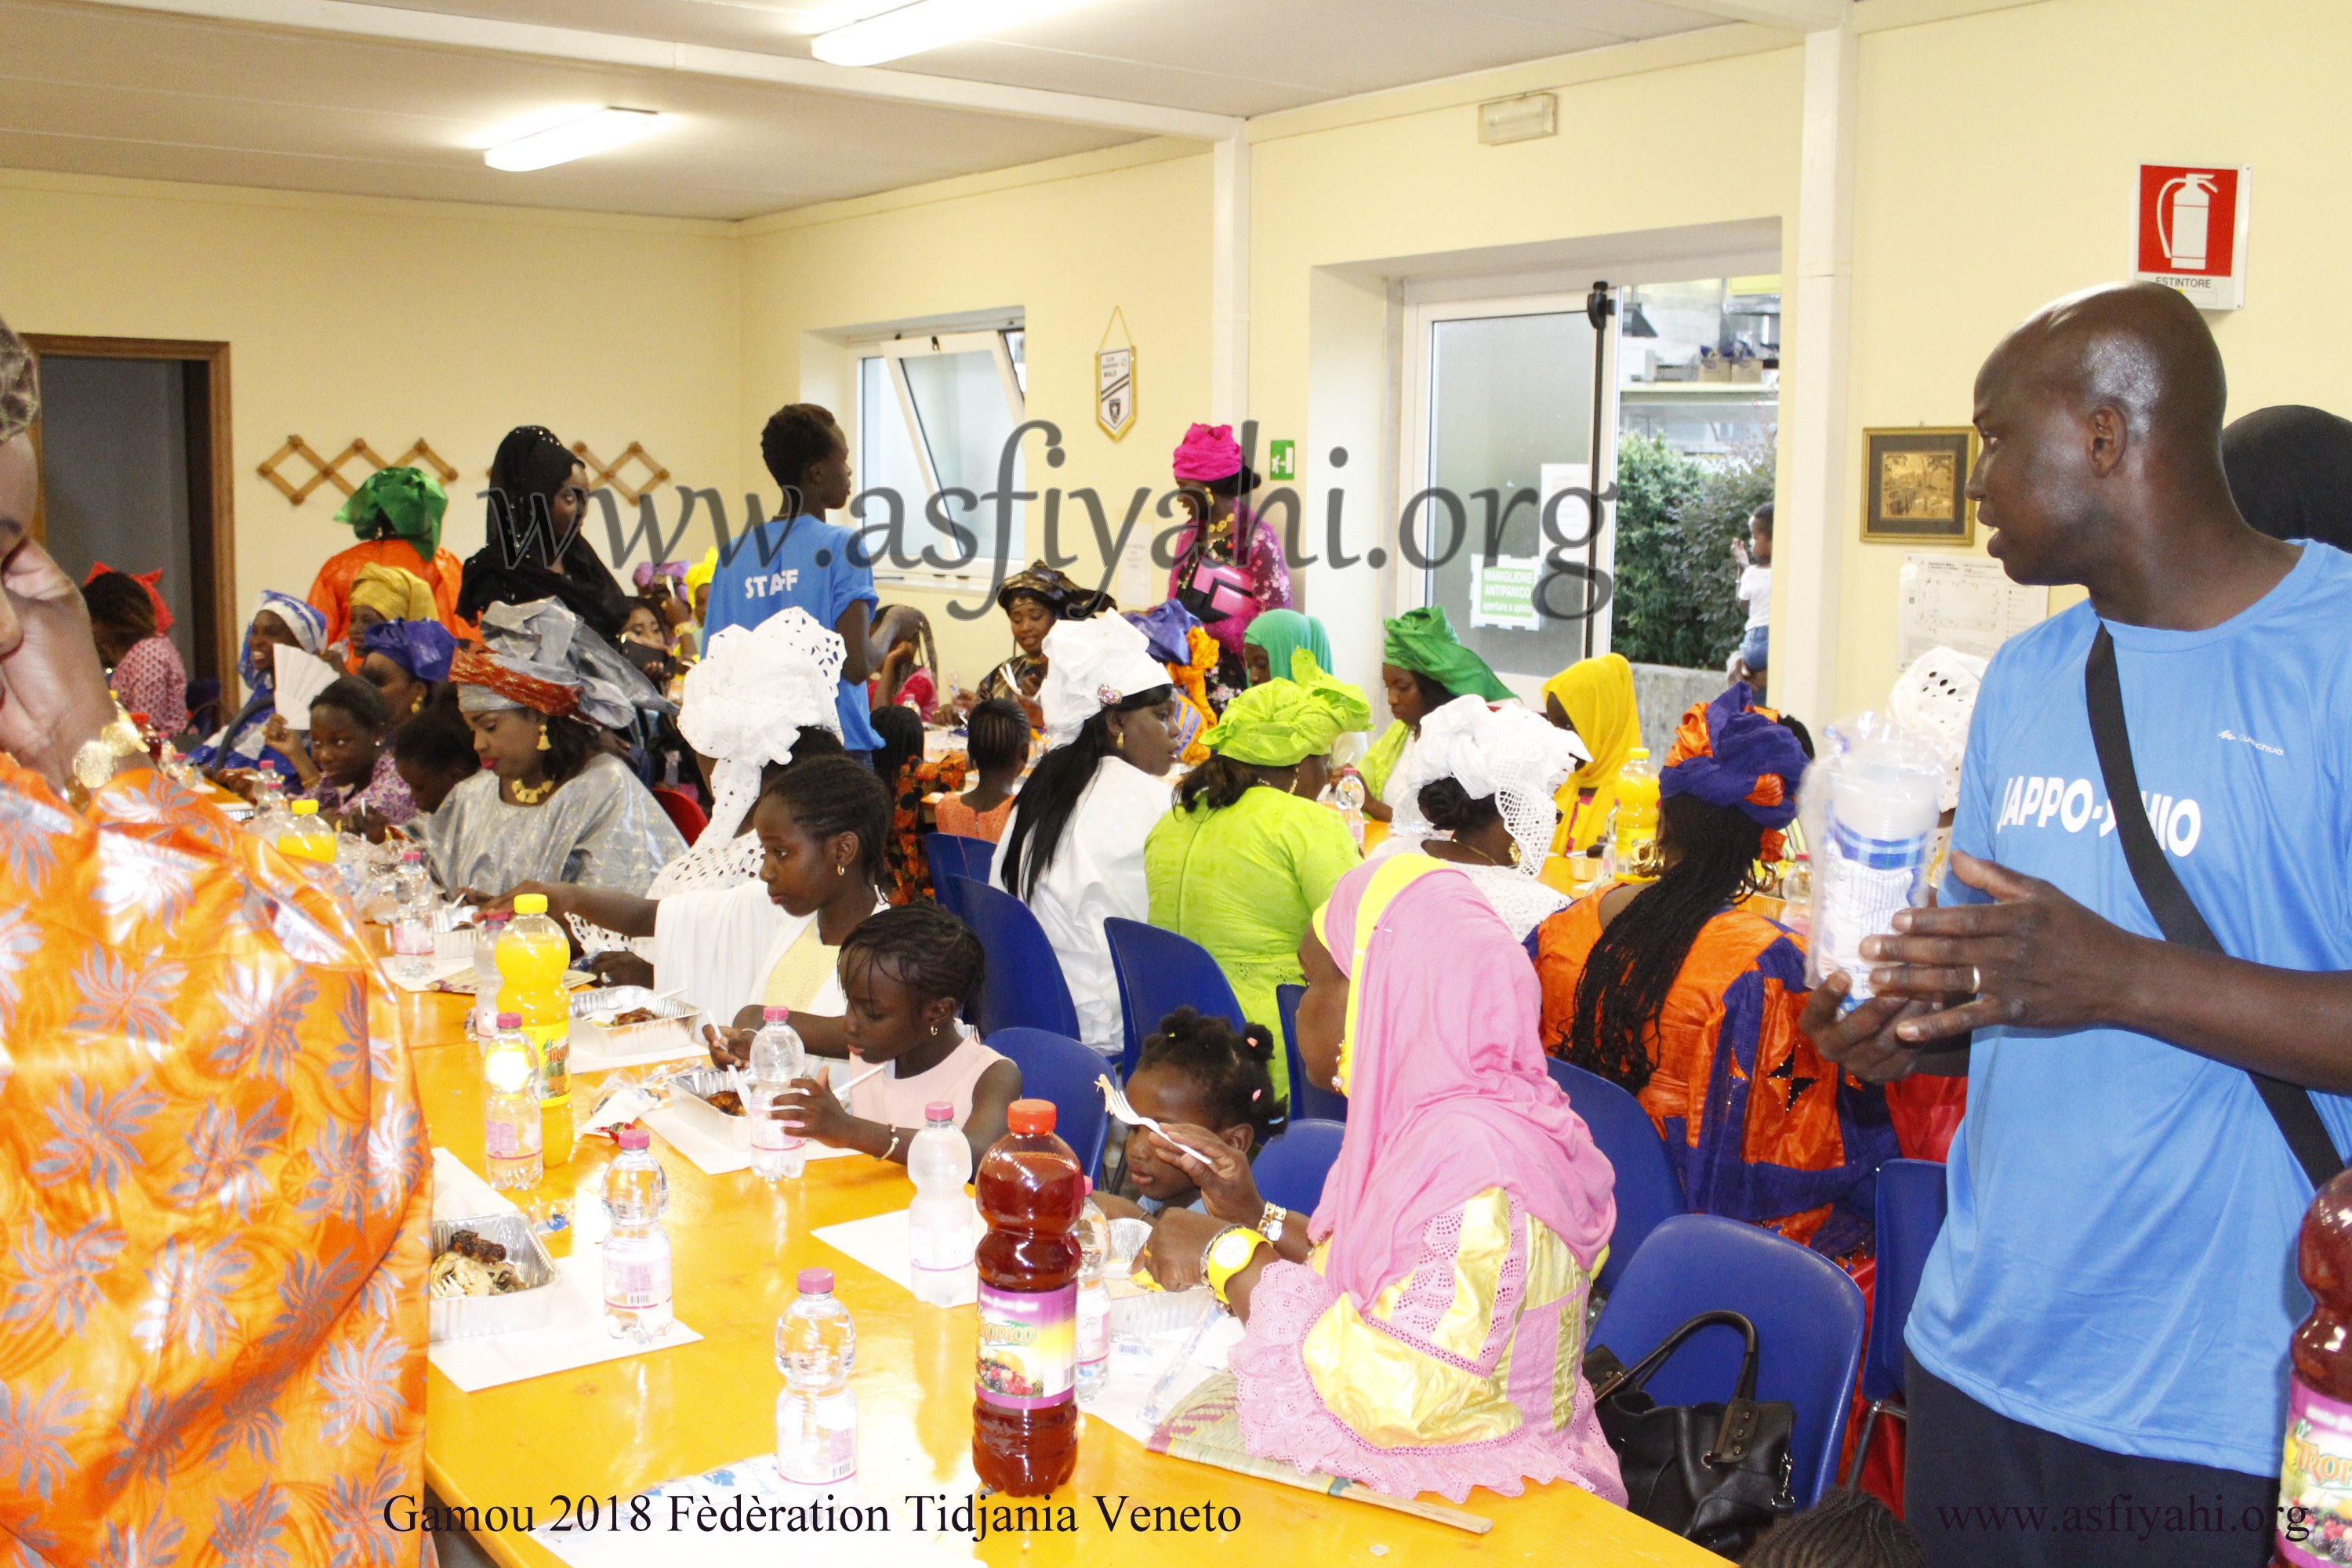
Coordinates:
[1914,485]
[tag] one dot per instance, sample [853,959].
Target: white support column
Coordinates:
[1810,538]
[1229,281]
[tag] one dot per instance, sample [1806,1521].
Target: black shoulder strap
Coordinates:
[2175,911]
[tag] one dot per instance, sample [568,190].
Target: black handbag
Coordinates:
[1716,1474]
[2175,911]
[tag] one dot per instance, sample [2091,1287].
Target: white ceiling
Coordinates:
[115,89]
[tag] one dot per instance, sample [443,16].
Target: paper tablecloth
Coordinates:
[884,1243]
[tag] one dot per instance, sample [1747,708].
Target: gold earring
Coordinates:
[841,870]
[542,740]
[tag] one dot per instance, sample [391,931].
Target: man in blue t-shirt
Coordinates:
[801,559]
[2098,1350]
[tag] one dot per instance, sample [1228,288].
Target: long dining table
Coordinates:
[609,1431]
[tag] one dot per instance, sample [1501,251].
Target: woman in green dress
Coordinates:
[1247,857]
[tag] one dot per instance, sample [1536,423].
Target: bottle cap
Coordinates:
[1087,1186]
[815,1282]
[635,1138]
[774,1015]
[530,903]
[509,1020]
[939,1111]
[1642,753]
[270,769]
[498,917]
[306,808]
[408,855]
[1030,1116]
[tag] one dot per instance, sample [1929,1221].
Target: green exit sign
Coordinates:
[1282,459]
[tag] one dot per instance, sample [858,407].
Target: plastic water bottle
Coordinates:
[637,1250]
[412,919]
[816,1415]
[1094,1296]
[1348,799]
[270,816]
[777,1058]
[1879,792]
[486,974]
[940,1221]
[510,1120]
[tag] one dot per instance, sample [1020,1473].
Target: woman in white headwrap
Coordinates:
[761,700]
[1477,792]
[280,620]
[1073,850]
[551,804]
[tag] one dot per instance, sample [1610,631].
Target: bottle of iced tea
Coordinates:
[2315,1524]
[1024,1419]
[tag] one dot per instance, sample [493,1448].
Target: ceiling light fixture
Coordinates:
[925,24]
[599,131]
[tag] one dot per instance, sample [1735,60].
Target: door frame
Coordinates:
[1458,299]
[211,478]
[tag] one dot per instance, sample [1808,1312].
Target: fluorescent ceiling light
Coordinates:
[925,24]
[599,131]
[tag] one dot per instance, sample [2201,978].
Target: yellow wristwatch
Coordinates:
[1229,1252]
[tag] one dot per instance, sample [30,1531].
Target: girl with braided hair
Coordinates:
[1211,1085]
[1672,990]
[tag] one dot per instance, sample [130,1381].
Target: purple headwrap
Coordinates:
[424,648]
[1736,757]
[1168,627]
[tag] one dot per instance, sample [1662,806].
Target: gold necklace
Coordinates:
[1483,855]
[525,795]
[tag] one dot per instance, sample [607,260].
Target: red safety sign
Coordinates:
[2189,232]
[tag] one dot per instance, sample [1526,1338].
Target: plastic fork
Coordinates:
[1116,1097]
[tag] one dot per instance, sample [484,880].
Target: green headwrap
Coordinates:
[1281,723]
[1421,641]
[408,502]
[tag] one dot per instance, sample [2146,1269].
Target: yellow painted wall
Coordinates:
[391,321]
[1996,165]
[1063,243]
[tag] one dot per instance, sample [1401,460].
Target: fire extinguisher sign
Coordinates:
[2189,231]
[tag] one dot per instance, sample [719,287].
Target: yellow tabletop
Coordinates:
[619,1427]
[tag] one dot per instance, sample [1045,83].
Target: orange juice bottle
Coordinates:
[1637,818]
[531,958]
[308,838]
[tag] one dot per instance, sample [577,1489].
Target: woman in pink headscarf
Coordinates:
[1231,570]
[1422,1332]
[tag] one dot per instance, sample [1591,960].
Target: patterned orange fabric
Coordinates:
[1191,682]
[1710,1035]
[331,591]
[214,1211]
[472,667]
[911,867]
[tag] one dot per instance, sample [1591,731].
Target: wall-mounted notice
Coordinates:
[1960,602]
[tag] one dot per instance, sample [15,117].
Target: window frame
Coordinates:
[895,353]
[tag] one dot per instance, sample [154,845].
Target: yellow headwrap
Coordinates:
[699,575]
[394,594]
[1598,696]
[1283,723]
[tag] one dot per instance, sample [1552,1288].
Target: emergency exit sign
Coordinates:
[2189,231]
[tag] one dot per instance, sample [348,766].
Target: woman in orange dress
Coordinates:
[214,1215]
[397,513]
[1672,990]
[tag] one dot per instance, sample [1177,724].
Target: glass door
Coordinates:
[1499,529]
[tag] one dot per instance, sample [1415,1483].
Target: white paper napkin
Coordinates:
[574,1335]
[713,1156]
[458,1194]
[435,971]
[884,1243]
[592,1051]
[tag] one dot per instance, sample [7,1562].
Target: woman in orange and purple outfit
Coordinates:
[1691,1002]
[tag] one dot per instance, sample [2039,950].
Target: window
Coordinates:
[1698,365]
[935,413]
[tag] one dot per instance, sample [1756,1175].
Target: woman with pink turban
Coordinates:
[1229,564]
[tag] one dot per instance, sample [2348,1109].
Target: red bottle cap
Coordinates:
[509,1020]
[1030,1116]
[636,1138]
[775,1014]
[939,1111]
[816,1281]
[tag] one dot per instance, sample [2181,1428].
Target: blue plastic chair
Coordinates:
[1290,1170]
[1809,1325]
[1911,1199]
[1024,988]
[1057,1068]
[951,855]
[1305,1099]
[1159,972]
[1649,1189]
